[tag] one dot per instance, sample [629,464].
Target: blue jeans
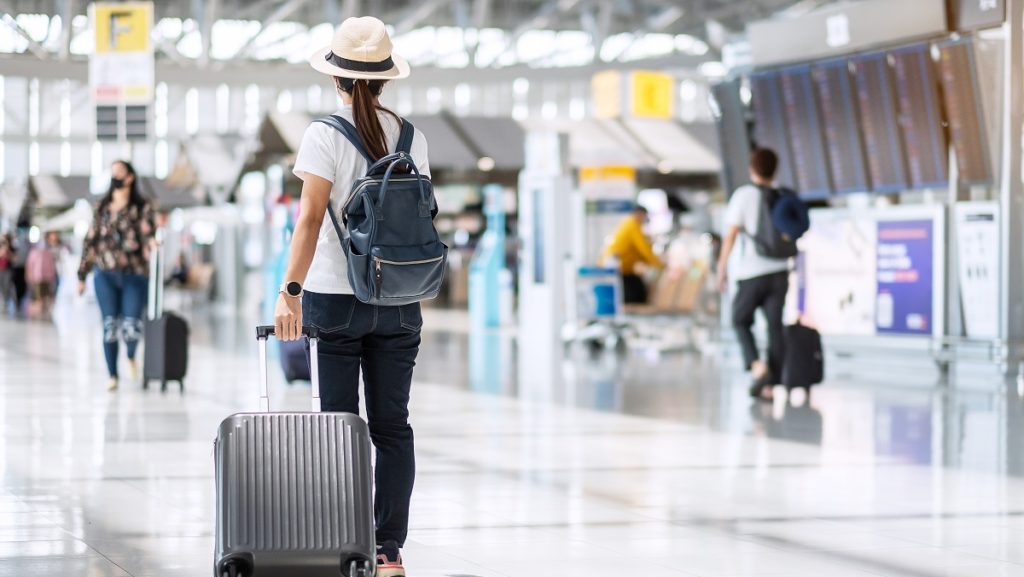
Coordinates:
[384,342]
[122,297]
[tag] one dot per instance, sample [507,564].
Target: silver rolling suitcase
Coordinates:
[294,490]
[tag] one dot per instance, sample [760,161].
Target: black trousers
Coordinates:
[634,290]
[767,293]
[383,342]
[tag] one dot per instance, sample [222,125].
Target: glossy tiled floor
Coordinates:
[636,466]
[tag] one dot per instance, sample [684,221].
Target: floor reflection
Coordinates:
[911,425]
[641,456]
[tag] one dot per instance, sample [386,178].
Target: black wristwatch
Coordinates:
[292,289]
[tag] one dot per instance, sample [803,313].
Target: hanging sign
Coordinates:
[121,68]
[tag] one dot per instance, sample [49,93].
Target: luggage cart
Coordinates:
[599,309]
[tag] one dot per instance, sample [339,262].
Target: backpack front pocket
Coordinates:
[408,274]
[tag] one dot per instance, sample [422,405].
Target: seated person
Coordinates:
[631,247]
[179,274]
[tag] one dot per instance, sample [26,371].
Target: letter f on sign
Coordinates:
[116,28]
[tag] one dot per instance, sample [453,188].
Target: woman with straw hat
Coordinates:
[383,341]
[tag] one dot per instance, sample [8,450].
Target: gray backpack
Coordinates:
[395,256]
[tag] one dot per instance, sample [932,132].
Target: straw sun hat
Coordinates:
[361,49]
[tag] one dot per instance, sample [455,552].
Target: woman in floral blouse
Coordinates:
[117,249]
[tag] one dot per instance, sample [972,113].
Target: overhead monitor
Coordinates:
[920,116]
[769,122]
[876,103]
[962,99]
[838,104]
[807,142]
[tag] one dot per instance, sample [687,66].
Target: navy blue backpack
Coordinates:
[395,256]
[781,220]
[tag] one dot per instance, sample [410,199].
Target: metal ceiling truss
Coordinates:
[283,11]
[33,46]
[600,19]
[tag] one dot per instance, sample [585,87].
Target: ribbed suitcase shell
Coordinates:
[294,493]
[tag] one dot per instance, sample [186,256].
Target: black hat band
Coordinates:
[356,66]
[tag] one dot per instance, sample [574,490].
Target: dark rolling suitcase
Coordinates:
[294,490]
[294,361]
[805,361]
[165,357]
[165,334]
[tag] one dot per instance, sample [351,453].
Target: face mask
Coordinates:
[117,182]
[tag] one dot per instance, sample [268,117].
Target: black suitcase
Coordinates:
[805,361]
[165,357]
[294,490]
[165,334]
[294,361]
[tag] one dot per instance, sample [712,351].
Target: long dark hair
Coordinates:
[135,197]
[364,111]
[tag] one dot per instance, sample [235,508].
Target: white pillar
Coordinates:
[545,233]
[1011,195]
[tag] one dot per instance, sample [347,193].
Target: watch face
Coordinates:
[294,289]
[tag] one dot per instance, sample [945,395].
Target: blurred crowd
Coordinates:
[30,273]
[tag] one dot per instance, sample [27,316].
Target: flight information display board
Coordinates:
[842,126]
[920,116]
[770,129]
[876,103]
[961,97]
[807,142]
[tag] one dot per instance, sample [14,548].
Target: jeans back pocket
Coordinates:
[329,313]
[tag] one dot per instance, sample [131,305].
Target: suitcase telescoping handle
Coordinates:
[263,333]
[155,303]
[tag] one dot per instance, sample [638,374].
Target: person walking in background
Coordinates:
[21,249]
[60,253]
[631,247]
[6,271]
[762,282]
[117,246]
[383,340]
[41,274]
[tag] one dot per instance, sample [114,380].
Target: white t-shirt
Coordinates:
[745,262]
[326,153]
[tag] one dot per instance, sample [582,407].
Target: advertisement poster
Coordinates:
[838,271]
[905,282]
[978,260]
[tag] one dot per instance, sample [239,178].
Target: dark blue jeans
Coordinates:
[122,298]
[384,342]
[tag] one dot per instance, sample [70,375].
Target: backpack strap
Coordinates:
[349,131]
[406,136]
[341,230]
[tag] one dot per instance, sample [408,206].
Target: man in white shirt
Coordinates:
[762,282]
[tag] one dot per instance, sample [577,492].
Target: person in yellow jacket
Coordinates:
[631,247]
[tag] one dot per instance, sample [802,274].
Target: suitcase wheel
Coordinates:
[232,569]
[360,568]
[237,565]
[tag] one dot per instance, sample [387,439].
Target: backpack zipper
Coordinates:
[381,261]
[368,182]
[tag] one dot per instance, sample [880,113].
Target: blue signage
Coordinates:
[905,289]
